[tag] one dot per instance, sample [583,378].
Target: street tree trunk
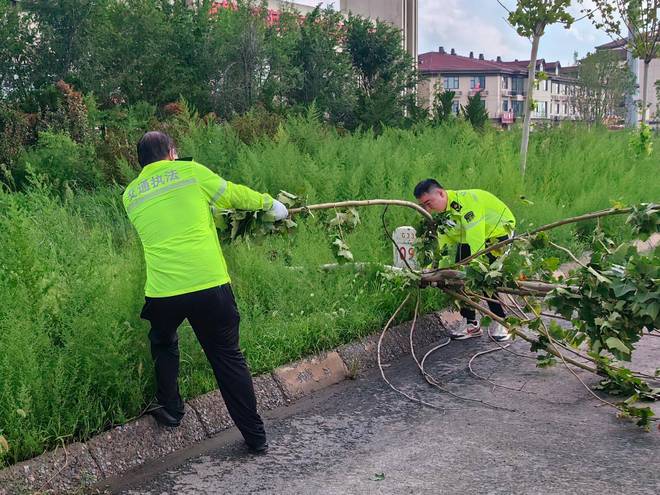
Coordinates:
[531,74]
[645,90]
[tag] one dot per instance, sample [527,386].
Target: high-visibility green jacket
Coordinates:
[476,217]
[169,204]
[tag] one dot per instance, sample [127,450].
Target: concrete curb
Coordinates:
[111,453]
[126,447]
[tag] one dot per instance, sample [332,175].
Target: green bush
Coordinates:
[14,133]
[62,160]
[255,124]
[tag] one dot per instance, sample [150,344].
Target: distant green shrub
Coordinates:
[255,124]
[62,160]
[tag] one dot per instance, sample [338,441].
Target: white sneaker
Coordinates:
[467,331]
[499,333]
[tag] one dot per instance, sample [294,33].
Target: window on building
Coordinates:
[542,108]
[517,108]
[505,106]
[450,82]
[557,112]
[455,106]
[505,82]
[564,111]
[478,82]
[517,85]
[545,85]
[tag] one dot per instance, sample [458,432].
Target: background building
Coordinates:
[637,68]
[502,84]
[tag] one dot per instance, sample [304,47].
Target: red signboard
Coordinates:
[507,117]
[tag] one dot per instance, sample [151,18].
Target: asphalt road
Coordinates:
[361,437]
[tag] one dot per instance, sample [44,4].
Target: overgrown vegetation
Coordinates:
[74,354]
[267,104]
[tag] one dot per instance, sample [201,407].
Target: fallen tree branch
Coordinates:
[365,202]
[515,331]
[456,279]
[553,225]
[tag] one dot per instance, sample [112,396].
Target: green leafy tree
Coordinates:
[530,19]
[604,83]
[475,111]
[66,37]
[153,51]
[17,38]
[385,72]
[240,39]
[325,74]
[636,22]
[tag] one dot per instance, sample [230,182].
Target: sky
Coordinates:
[480,26]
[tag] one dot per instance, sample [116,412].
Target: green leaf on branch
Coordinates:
[643,415]
[614,343]
[556,331]
[540,240]
[287,199]
[644,220]
[486,321]
[350,218]
[342,251]
[545,360]
[551,264]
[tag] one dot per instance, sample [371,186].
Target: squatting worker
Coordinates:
[476,219]
[169,204]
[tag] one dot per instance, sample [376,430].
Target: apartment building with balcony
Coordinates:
[502,84]
[637,68]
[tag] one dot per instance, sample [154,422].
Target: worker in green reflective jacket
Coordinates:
[170,204]
[476,220]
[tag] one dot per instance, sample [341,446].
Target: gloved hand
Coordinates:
[278,210]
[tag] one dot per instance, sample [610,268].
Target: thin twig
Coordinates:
[481,377]
[596,274]
[59,471]
[430,379]
[380,364]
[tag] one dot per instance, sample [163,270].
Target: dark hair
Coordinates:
[427,185]
[153,146]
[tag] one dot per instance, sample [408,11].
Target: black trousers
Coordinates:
[463,251]
[214,317]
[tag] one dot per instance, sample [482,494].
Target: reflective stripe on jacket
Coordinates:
[476,218]
[169,204]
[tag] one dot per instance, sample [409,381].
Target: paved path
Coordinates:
[361,437]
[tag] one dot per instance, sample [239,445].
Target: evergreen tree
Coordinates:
[475,111]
